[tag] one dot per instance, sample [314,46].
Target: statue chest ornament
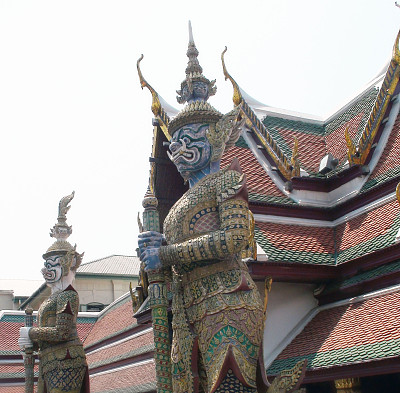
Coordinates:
[195,213]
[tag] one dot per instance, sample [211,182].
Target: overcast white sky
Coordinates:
[73,116]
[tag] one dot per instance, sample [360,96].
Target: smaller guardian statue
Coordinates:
[63,366]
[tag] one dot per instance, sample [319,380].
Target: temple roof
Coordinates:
[112,265]
[261,187]
[363,330]
[317,140]
[329,243]
[135,378]
[120,351]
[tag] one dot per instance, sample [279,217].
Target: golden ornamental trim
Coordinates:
[237,95]
[255,124]
[358,154]
[396,49]
[156,107]
[295,159]
[352,155]
[258,128]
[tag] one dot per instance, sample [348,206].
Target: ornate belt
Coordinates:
[198,273]
[52,347]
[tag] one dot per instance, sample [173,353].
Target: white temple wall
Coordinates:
[6,300]
[288,304]
[101,290]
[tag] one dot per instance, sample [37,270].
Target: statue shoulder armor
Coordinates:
[68,301]
[231,183]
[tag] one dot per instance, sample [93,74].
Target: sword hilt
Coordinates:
[28,317]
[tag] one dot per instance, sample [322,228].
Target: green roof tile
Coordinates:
[369,246]
[15,318]
[277,254]
[391,173]
[276,126]
[320,258]
[365,276]
[273,124]
[241,143]
[363,105]
[340,357]
[255,197]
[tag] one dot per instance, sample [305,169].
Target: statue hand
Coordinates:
[150,258]
[149,239]
[24,341]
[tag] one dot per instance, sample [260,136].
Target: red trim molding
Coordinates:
[366,369]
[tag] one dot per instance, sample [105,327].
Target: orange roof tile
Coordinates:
[139,375]
[257,179]
[311,147]
[299,238]
[13,389]
[353,333]
[121,350]
[339,150]
[366,226]
[117,319]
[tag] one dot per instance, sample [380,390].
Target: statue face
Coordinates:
[200,91]
[52,271]
[190,148]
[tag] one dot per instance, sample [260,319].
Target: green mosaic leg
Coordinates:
[162,356]
[159,304]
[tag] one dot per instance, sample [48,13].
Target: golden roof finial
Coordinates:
[398,192]
[295,159]
[155,105]
[396,50]
[237,96]
[351,148]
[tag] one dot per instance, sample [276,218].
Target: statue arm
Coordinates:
[67,308]
[231,238]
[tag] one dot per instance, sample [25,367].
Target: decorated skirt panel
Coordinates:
[220,318]
[67,355]
[67,380]
[232,385]
[233,334]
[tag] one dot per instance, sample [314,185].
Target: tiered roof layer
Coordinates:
[358,332]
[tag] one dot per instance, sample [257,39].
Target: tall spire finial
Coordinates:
[61,230]
[193,68]
[191,40]
[194,75]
